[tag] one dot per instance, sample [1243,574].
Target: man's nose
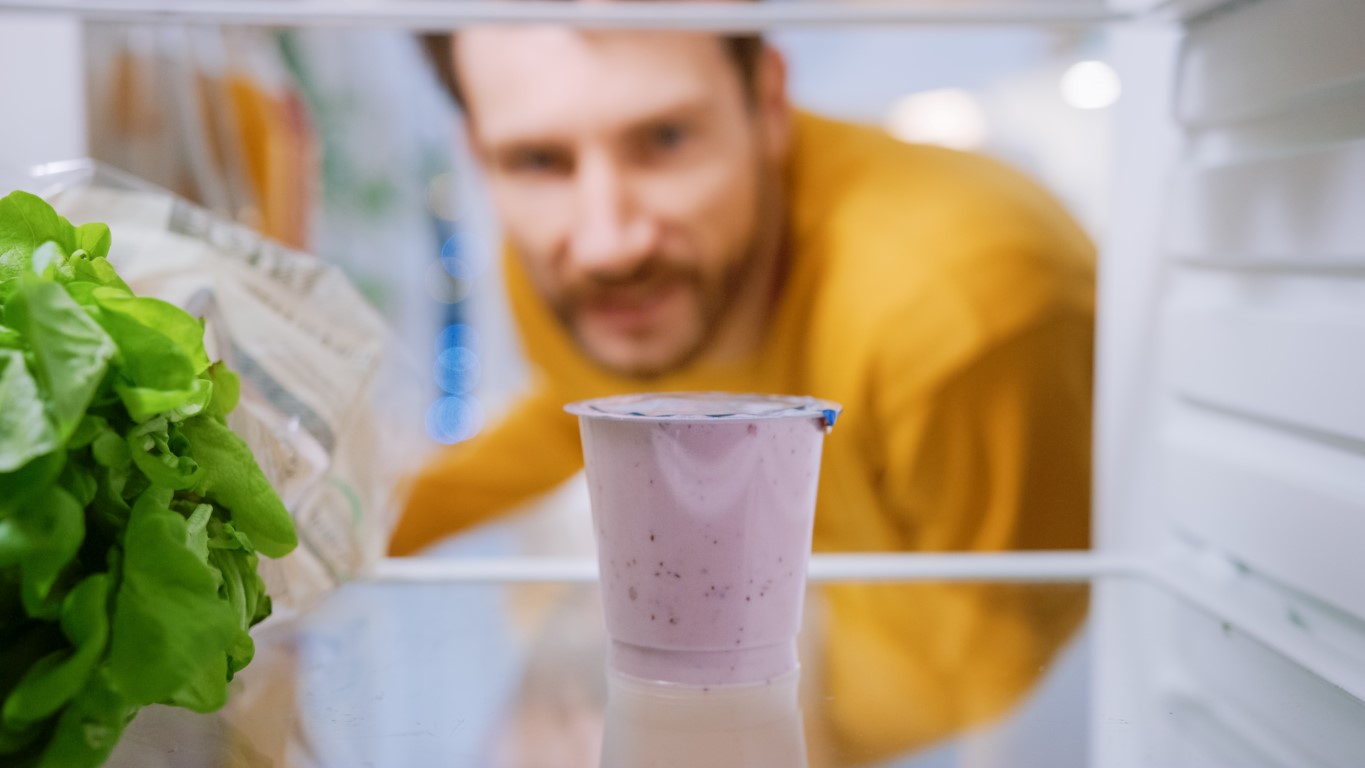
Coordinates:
[612,234]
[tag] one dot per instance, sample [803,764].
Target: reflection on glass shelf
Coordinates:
[986,674]
[750,726]
[438,14]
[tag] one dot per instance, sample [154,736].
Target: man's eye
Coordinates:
[667,136]
[537,161]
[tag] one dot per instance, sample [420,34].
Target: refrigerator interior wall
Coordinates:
[42,88]
[1247,451]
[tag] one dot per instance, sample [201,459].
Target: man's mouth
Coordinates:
[633,310]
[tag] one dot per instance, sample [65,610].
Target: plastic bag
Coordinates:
[328,400]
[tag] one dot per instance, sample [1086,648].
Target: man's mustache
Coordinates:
[643,280]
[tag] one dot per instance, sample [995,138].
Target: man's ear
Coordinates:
[774,109]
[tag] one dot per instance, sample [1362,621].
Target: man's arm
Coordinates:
[530,451]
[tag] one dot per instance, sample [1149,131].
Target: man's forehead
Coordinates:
[522,82]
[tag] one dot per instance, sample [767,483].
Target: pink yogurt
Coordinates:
[703,506]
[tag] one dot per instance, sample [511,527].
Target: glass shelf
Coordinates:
[502,664]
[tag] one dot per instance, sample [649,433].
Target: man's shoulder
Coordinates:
[857,182]
[862,154]
[921,235]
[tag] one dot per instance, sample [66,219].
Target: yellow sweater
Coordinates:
[947,303]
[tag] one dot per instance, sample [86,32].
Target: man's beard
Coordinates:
[714,296]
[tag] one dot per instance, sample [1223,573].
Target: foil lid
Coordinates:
[703,406]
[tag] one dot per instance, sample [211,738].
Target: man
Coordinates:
[672,224]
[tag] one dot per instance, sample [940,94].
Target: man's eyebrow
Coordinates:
[681,108]
[538,135]
[510,144]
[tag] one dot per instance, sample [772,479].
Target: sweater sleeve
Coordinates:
[994,458]
[529,451]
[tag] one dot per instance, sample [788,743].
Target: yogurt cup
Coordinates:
[703,506]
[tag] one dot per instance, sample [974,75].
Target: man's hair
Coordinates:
[744,52]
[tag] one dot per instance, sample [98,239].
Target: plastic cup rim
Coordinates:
[799,407]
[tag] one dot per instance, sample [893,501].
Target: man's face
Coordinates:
[631,172]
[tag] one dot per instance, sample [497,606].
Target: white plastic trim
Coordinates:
[1014,566]
[1272,630]
[430,15]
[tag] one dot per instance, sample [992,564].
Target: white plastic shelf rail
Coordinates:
[448,14]
[1013,566]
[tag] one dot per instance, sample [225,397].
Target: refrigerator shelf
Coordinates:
[1292,624]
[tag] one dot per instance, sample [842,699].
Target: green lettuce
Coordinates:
[131,516]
